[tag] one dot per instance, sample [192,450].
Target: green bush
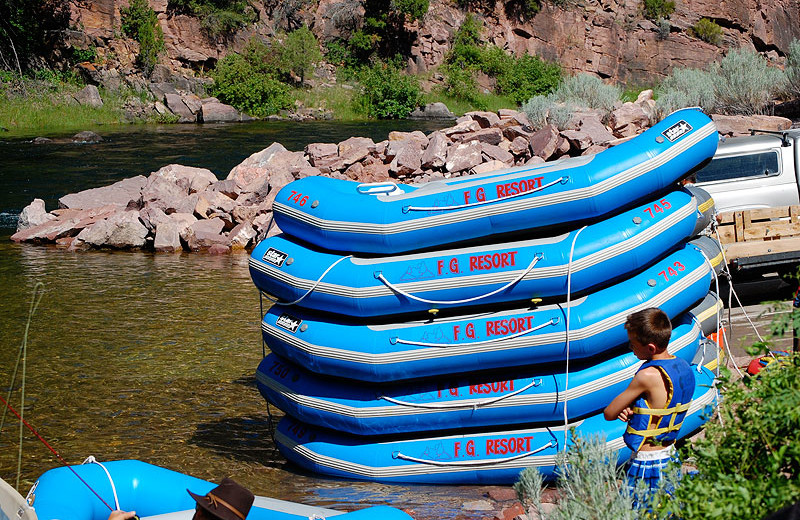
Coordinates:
[140,22]
[216,16]
[792,69]
[686,88]
[413,9]
[248,88]
[585,90]
[745,83]
[460,84]
[708,31]
[387,93]
[82,55]
[516,78]
[528,76]
[298,53]
[655,9]
[589,483]
[749,461]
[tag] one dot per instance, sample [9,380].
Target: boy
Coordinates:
[656,400]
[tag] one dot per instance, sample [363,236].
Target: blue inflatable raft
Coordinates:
[344,215]
[495,273]
[521,396]
[465,458]
[491,340]
[153,491]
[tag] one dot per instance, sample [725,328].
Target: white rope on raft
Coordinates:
[398,455]
[313,286]
[438,406]
[560,180]
[91,460]
[566,330]
[396,340]
[390,285]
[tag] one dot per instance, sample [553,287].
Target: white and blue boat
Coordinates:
[155,493]
[494,339]
[533,394]
[458,457]
[389,218]
[593,256]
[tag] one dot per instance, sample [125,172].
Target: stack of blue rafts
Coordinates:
[453,332]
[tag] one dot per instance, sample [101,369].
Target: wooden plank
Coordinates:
[759,224]
[771,230]
[757,248]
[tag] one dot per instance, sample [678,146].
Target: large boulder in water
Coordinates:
[122,194]
[121,230]
[33,215]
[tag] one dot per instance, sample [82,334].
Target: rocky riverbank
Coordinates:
[181,208]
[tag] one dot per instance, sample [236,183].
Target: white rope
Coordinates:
[379,276]
[396,340]
[566,330]
[730,277]
[561,180]
[716,281]
[445,406]
[91,460]
[398,455]
[313,286]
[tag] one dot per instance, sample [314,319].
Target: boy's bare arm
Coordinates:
[643,383]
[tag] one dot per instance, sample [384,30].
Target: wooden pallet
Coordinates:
[757,232]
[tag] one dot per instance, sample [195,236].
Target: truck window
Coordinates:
[739,167]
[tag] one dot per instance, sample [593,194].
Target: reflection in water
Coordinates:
[152,357]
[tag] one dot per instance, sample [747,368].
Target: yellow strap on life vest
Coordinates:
[650,433]
[678,408]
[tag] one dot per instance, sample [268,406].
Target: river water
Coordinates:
[152,357]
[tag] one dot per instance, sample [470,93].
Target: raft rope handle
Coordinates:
[395,340]
[560,180]
[313,286]
[398,455]
[439,406]
[377,188]
[390,285]
[91,460]
[59,457]
[566,330]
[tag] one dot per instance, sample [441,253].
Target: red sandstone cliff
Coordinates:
[609,38]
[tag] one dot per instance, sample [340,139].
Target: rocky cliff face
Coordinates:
[608,38]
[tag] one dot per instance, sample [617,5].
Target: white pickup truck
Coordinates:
[755,183]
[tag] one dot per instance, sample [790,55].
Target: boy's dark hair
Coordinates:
[650,326]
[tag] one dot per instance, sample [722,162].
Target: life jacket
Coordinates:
[661,425]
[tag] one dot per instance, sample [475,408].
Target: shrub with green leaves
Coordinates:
[686,88]
[387,93]
[528,76]
[708,31]
[741,83]
[216,16]
[792,69]
[139,21]
[745,83]
[589,483]
[655,9]
[585,90]
[748,462]
[518,78]
[249,88]
[298,53]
